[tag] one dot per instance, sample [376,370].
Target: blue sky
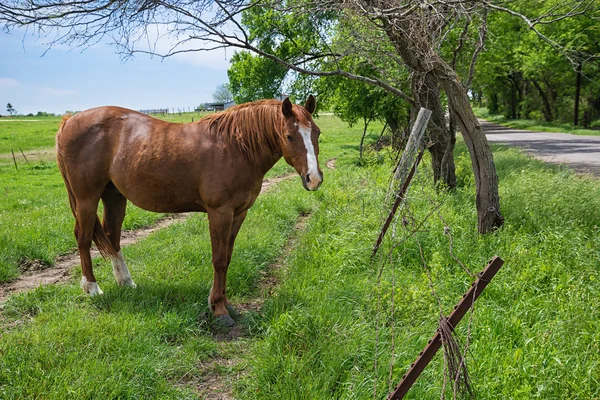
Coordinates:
[74,80]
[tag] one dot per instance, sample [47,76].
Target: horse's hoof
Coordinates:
[225,320]
[130,283]
[90,288]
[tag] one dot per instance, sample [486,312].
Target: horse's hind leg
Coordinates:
[114,213]
[84,230]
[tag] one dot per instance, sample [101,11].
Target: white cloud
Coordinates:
[194,52]
[30,97]
[8,83]
[52,92]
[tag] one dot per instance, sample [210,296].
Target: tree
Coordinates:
[522,76]
[10,109]
[408,34]
[254,78]
[222,94]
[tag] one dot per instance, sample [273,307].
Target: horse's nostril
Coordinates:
[307,178]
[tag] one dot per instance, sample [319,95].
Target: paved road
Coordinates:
[582,153]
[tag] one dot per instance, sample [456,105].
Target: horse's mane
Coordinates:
[254,127]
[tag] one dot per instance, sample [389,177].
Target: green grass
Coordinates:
[27,133]
[535,330]
[533,125]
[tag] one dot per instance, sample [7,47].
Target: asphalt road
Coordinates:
[582,153]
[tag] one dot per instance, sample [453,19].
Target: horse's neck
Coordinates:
[269,160]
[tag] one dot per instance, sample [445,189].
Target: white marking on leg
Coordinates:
[90,288]
[311,158]
[121,272]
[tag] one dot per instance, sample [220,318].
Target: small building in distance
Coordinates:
[220,106]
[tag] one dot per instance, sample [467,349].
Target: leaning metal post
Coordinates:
[435,343]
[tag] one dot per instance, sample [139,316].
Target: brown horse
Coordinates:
[215,165]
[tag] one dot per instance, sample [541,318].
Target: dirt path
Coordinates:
[37,273]
[582,153]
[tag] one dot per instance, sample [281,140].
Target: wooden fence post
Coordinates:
[405,170]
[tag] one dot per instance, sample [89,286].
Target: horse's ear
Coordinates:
[286,108]
[311,104]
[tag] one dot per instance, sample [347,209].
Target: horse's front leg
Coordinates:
[238,220]
[220,223]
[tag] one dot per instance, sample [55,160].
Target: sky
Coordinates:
[63,79]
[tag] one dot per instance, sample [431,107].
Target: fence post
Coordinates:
[435,343]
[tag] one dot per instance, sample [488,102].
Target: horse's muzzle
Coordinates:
[311,182]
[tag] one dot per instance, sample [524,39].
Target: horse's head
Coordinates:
[301,143]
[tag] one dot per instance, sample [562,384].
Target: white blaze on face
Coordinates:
[311,158]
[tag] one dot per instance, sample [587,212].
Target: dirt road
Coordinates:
[582,153]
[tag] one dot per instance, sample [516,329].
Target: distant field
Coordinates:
[27,133]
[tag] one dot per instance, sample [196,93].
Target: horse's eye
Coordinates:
[290,138]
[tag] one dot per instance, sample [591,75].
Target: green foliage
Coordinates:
[222,94]
[523,76]
[10,109]
[254,78]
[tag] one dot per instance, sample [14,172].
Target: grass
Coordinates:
[535,330]
[35,220]
[533,125]
[27,133]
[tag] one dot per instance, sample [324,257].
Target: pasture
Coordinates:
[313,321]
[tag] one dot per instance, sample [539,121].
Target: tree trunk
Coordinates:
[547,108]
[398,137]
[441,141]
[482,160]
[577,91]
[362,139]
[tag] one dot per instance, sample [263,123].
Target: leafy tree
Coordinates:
[524,76]
[254,78]
[222,94]
[10,109]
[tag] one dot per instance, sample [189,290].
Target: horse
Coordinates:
[215,165]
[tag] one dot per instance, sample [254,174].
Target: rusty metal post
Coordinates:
[399,199]
[436,342]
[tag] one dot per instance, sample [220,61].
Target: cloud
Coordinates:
[31,97]
[52,92]
[8,83]
[161,41]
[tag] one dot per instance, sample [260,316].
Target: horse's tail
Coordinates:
[99,236]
